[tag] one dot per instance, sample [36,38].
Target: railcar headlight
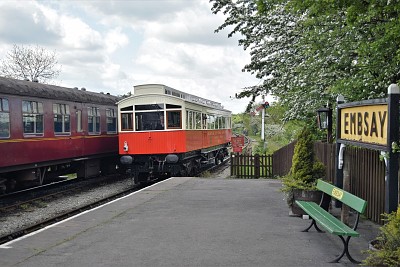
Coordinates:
[126,147]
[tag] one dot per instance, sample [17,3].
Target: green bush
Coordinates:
[387,251]
[306,169]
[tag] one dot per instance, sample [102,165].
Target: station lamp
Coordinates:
[324,119]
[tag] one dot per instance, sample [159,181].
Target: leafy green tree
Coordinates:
[308,52]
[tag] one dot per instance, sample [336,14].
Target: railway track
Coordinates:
[74,192]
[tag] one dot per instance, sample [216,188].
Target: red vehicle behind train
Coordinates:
[163,131]
[47,131]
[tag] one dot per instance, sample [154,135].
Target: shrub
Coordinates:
[387,251]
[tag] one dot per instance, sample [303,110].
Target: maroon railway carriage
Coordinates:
[47,131]
[163,131]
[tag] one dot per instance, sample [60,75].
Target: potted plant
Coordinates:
[305,171]
[385,249]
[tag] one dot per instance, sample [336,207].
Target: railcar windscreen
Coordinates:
[148,121]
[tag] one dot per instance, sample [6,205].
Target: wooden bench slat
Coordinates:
[325,219]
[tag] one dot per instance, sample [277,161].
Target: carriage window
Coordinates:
[32,117]
[174,120]
[127,122]
[93,120]
[4,118]
[79,121]
[61,119]
[111,120]
[148,121]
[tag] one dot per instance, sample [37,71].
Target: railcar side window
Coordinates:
[211,122]
[189,120]
[198,120]
[174,120]
[93,120]
[4,118]
[111,120]
[62,124]
[32,117]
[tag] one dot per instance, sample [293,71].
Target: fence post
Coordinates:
[257,166]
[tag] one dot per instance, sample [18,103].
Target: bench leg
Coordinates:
[345,251]
[315,226]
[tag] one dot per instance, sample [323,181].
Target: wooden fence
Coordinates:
[367,172]
[251,166]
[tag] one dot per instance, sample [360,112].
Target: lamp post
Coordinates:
[324,118]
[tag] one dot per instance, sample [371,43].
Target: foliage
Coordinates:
[306,169]
[34,63]
[278,132]
[388,250]
[308,52]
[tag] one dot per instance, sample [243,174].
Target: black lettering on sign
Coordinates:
[346,123]
[352,123]
[374,130]
[366,126]
[382,119]
[359,123]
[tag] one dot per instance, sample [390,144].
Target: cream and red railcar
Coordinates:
[163,131]
[47,131]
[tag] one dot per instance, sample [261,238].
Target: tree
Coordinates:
[308,52]
[32,62]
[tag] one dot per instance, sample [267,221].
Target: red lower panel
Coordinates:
[166,142]
[26,151]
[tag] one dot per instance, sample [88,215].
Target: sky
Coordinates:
[110,46]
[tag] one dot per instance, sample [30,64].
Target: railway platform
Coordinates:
[186,222]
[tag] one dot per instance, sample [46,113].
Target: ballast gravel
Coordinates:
[25,217]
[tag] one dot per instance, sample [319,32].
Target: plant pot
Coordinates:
[308,195]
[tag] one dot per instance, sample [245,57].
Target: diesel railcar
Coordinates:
[47,131]
[164,131]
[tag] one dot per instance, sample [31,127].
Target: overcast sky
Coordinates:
[110,46]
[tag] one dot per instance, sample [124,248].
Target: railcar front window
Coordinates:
[174,120]
[4,118]
[61,119]
[111,120]
[32,117]
[93,120]
[127,122]
[148,121]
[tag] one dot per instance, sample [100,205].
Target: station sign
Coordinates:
[365,124]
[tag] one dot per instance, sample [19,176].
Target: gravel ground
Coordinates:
[21,219]
[18,220]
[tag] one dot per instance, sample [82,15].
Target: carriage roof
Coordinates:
[33,89]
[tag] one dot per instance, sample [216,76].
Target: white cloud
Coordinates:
[111,46]
[115,39]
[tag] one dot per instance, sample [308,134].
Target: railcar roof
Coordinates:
[148,89]
[33,89]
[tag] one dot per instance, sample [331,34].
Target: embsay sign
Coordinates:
[367,124]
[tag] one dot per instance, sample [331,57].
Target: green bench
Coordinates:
[330,223]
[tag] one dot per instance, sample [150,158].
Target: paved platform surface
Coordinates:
[187,222]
